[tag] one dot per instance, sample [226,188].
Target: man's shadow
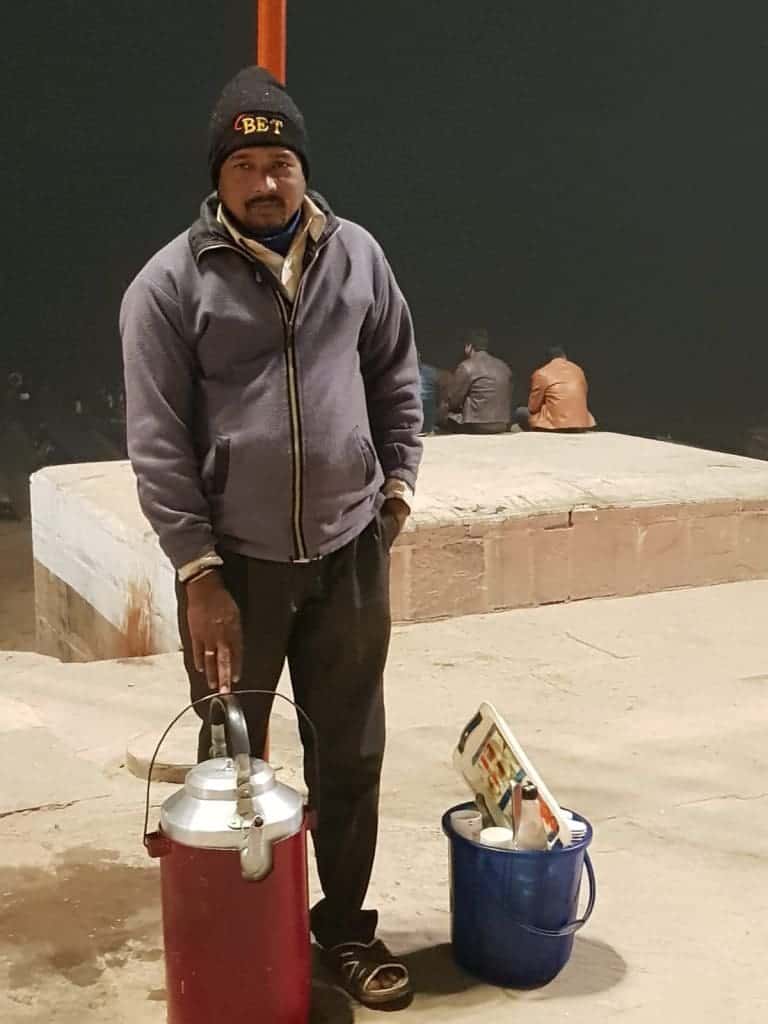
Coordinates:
[329,1005]
[593,967]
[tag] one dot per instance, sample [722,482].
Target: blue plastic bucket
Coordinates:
[513,912]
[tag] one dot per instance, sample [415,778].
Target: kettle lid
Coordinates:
[213,810]
[217,779]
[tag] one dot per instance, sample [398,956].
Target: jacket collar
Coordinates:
[208,233]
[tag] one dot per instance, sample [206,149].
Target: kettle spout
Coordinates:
[256,855]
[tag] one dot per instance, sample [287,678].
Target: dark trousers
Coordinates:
[331,620]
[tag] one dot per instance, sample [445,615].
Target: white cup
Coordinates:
[498,837]
[467,823]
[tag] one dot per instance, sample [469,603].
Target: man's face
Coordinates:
[263,186]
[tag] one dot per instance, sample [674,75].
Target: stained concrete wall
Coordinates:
[499,522]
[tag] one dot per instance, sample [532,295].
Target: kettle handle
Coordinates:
[226,710]
[314,762]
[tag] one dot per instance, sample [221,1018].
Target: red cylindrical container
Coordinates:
[232,845]
[236,950]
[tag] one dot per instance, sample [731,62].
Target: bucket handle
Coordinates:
[227,709]
[569,929]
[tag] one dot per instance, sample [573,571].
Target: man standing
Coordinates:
[273,416]
[558,398]
[480,398]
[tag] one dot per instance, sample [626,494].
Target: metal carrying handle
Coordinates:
[226,712]
[231,712]
[573,926]
[227,718]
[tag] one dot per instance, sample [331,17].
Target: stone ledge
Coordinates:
[499,522]
[599,553]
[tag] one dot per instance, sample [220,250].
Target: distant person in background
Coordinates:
[558,398]
[479,400]
[429,381]
[16,388]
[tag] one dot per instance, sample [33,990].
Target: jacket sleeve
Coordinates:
[538,390]
[159,389]
[389,365]
[462,381]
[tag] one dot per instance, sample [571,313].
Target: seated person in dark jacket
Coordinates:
[480,399]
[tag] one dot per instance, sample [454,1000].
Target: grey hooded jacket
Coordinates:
[261,426]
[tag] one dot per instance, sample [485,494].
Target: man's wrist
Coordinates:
[397,508]
[210,560]
[200,576]
[394,488]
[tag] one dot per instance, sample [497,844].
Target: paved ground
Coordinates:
[646,714]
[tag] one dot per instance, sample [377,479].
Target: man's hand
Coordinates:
[394,513]
[215,631]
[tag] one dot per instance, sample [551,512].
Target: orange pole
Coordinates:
[271,36]
[271,50]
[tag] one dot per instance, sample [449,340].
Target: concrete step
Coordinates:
[507,521]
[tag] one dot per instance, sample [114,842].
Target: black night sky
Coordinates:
[590,174]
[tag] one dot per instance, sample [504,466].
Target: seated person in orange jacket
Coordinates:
[558,398]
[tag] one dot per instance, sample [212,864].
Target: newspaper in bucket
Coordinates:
[495,767]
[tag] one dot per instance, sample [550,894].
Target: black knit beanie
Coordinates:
[255,110]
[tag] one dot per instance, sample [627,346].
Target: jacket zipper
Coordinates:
[297,445]
[289,321]
[295,417]
[293,399]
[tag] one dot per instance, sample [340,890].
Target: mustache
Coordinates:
[257,201]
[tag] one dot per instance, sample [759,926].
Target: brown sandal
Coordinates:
[356,964]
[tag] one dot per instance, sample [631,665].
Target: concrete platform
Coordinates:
[500,522]
[646,714]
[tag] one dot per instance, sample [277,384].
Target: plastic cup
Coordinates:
[467,823]
[498,837]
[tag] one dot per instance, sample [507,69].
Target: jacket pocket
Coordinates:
[216,467]
[367,454]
